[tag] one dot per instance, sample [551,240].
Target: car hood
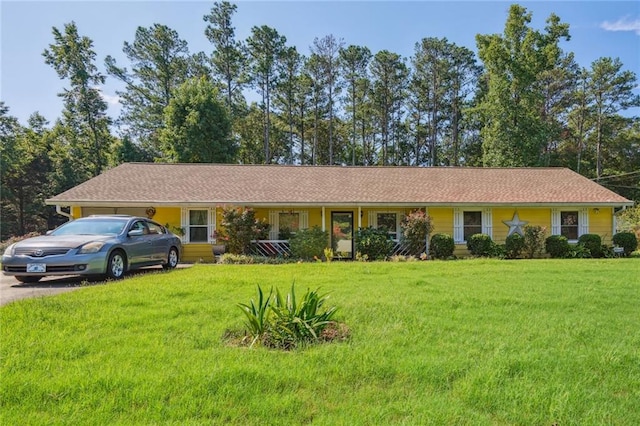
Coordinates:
[61,241]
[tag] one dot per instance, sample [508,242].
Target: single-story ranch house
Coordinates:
[460,201]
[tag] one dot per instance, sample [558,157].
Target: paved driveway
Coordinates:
[11,289]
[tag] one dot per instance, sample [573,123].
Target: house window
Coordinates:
[569,224]
[389,221]
[198,226]
[289,224]
[284,224]
[472,224]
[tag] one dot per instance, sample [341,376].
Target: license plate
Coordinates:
[36,267]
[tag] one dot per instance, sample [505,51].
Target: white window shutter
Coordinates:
[458,232]
[304,219]
[373,219]
[555,222]
[274,220]
[487,222]
[211,223]
[583,222]
[184,224]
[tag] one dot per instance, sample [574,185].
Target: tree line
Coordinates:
[522,101]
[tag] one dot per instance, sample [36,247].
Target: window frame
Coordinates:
[373,221]
[486,221]
[583,221]
[274,221]
[210,224]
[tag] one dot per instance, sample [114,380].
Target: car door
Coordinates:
[159,242]
[138,245]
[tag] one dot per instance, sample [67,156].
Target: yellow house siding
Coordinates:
[168,215]
[535,217]
[442,220]
[601,223]
[197,253]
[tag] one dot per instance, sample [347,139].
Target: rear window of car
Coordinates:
[91,227]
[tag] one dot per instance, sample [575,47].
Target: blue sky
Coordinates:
[27,84]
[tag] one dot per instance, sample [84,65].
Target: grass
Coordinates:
[467,342]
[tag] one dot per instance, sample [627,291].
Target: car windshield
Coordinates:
[91,227]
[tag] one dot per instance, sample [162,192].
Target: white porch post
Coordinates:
[324,226]
[359,217]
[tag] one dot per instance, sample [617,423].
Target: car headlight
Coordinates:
[91,247]
[9,250]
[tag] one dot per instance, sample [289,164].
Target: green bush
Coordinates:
[534,237]
[416,228]
[481,245]
[442,246]
[284,322]
[593,243]
[514,245]
[557,246]
[374,243]
[627,240]
[240,228]
[308,244]
[578,251]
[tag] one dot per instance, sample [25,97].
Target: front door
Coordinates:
[342,234]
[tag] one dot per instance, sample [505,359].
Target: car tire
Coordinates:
[29,279]
[116,265]
[172,259]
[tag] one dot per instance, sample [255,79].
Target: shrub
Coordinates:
[557,246]
[284,321]
[593,242]
[240,228]
[308,244]
[578,251]
[534,238]
[374,243]
[442,246]
[416,228]
[480,245]
[627,240]
[514,245]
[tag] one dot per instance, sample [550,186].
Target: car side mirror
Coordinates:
[136,233]
[48,232]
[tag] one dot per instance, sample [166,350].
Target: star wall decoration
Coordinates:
[515,225]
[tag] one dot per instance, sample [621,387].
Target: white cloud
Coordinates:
[111,100]
[622,24]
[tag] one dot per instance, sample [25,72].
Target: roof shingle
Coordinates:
[175,184]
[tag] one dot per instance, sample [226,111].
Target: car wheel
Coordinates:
[172,259]
[115,266]
[28,279]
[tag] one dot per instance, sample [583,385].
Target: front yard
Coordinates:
[464,342]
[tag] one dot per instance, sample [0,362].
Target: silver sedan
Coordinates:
[106,245]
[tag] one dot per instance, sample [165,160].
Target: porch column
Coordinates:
[359,217]
[324,226]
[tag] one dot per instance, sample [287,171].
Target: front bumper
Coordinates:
[68,264]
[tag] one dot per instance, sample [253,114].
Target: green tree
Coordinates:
[160,62]
[354,61]
[514,132]
[73,58]
[611,89]
[228,60]
[24,167]
[265,47]
[198,129]
[390,74]
[327,50]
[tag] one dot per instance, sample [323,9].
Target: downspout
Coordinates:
[63,213]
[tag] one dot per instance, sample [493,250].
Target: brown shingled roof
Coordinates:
[176,184]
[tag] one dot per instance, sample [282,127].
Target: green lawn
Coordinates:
[464,342]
